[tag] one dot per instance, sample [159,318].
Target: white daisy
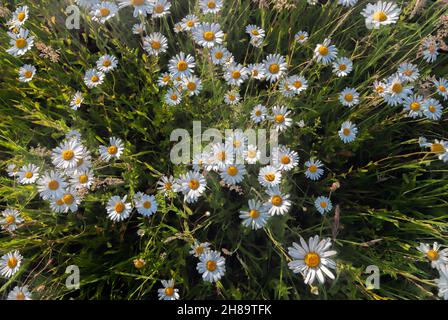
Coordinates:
[432,109]
[192,184]
[145,204]
[138,28]
[256,71]
[82,179]
[19,293]
[256,217]
[192,85]
[178,27]
[181,65]
[349,97]
[118,209]
[269,176]
[413,105]
[155,43]
[232,97]
[77,100]
[10,263]
[93,78]
[107,63]
[430,49]
[255,31]
[103,11]
[164,79]
[312,260]
[220,55]
[325,52]
[297,83]
[20,16]
[168,292]
[67,154]
[12,170]
[173,97]
[408,71]
[28,174]
[285,159]
[380,14]
[189,22]
[278,203]
[142,7]
[210,6]
[71,200]
[161,8]
[10,219]
[280,118]
[57,205]
[51,185]
[208,34]
[379,87]
[437,257]
[113,151]
[197,249]
[342,66]
[167,185]
[438,147]
[236,74]
[323,204]
[20,42]
[258,114]
[313,169]
[348,132]
[274,67]
[301,36]
[211,265]
[26,73]
[252,154]
[442,87]
[233,174]
[396,90]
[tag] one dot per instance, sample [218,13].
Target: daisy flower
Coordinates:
[269,176]
[19,293]
[274,67]
[439,147]
[342,66]
[107,63]
[301,36]
[379,87]
[82,179]
[432,109]
[12,170]
[210,6]
[256,217]
[10,219]
[181,65]
[167,185]
[232,97]
[168,292]
[220,55]
[348,132]
[323,204]
[255,31]
[285,159]
[77,100]
[192,185]
[380,14]
[118,209]
[155,43]
[347,3]
[349,97]
[286,89]
[442,87]
[278,203]
[20,16]
[256,71]
[442,282]
[233,174]
[57,205]
[20,42]
[236,74]
[103,11]
[189,22]
[258,114]
[313,169]
[297,84]
[145,204]
[173,97]
[325,52]
[252,154]
[10,263]
[413,105]
[437,257]
[142,7]
[71,200]
[430,50]
[208,34]
[93,78]
[51,185]
[211,265]
[192,85]
[178,27]
[161,8]
[67,154]
[280,118]
[26,73]
[28,174]
[197,249]
[222,155]
[312,259]
[164,79]
[396,90]
[113,151]
[408,71]
[138,28]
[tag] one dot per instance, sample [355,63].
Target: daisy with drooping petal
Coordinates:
[342,66]
[51,185]
[210,6]
[208,34]
[173,97]
[211,265]
[408,71]
[259,113]
[161,8]
[118,209]
[325,52]
[349,97]
[26,73]
[312,259]
[313,169]
[434,254]
[256,71]
[71,200]
[155,43]
[167,185]
[252,154]
[438,147]
[280,118]
[442,282]
[28,174]
[442,87]
[269,176]
[432,109]
[20,16]
[103,11]
[301,36]
[19,293]
[274,67]
[323,204]
[380,14]
[141,7]
[348,132]
[220,55]
[107,63]
[232,97]
[77,100]
[181,65]
[236,74]
[233,174]
[113,151]
[20,42]
[256,216]
[192,184]
[10,263]
[189,22]
[347,3]
[413,105]
[168,292]
[67,154]
[145,204]
[10,218]
[197,248]
[285,159]
[93,78]
[138,28]
[430,49]
[278,203]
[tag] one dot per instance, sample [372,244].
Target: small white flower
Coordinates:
[173,97]
[161,8]
[113,151]
[397,89]
[67,154]
[349,97]
[278,203]
[325,52]
[145,204]
[323,204]
[348,132]
[138,28]
[10,219]
[210,6]
[167,185]
[256,217]
[107,63]
[285,159]
[236,74]
[220,55]
[155,43]
[10,263]
[432,109]
[71,200]
[430,50]
[192,184]
[255,31]
[232,97]
[197,249]
[342,66]
[301,36]
[442,282]
[189,22]
[28,174]
[118,209]
[77,100]
[408,71]
[181,65]
[20,16]
[413,105]
[274,67]
[19,293]
[93,78]
[280,118]
[82,179]
[168,292]
[26,73]
[192,85]
[313,169]
[256,71]
[269,176]
[442,87]
[164,79]
[211,265]
[259,113]
[437,257]
[101,12]
[51,185]
[208,34]
[380,14]
[141,7]
[251,155]
[233,174]
[20,42]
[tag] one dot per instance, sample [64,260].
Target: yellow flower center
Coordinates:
[28,174]
[191,86]
[83,178]
[415,106]
[279,118]
[323,50]
[211,5]
[107,63]
[182,65]
[323,204]
[236,74]
[237,143]
[274,68]
[155,45]
[312,259]
[251,154]
[270,177]
[442,88]
[12,262]
[21,16]
[276,200]
[78,101]
[348,97]
[285,159]
[221,155]
[379,89]
[297,84]
[21,43]
[166,78]
[432,255]
[312,168]
[59,202]
[408,72]
[112,150]
[232,97]
[190,23]
[379,16]
[397,88]
[28,74]
[174,97]
[137,2]
[437,148]
[20,296]
[158,9]
[255,72]
[342,67]
[169,291]
[95,78]
[193,184]
[68,155]
[346,131]
[104,12]
[168,186]
[139,263]
[232,171]
[10,219]
[219,54]
[258,113]
[211,265]
[68,199]
[255,32]
[254,214]
[53,185]
[209,36]
[119,207]
[432,109]
[199,250]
